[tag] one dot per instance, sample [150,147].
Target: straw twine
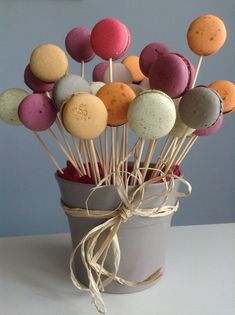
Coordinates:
[94,260]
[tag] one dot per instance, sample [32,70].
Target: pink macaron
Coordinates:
[78,45]
[34,83]
[37,112]
[151,53]
[99,70]
[172,74]
[110,38]
[211,130]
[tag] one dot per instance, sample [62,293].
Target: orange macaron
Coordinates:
[132,63]
[206,35]
[226,90]
[117,97]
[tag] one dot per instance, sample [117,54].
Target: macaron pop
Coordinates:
[226,90]
[110,39]
[48,63]
[117,97]
[200,107]
[78,45]
[9,103]
[37,112]
[132,64]
[34,83]
[120,74]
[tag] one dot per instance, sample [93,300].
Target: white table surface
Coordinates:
[199,277]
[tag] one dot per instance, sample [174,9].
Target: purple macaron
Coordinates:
[151,53]
[171,73]
[34,83]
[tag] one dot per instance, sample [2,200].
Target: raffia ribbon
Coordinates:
[131,206]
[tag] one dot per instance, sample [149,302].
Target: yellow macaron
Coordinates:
[48,63]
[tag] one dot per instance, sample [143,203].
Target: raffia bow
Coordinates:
[94,259]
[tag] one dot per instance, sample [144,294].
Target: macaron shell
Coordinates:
[98,71]
[84,116]
[120,74]
[9,103]
[211,130]
[180,129]
[117,97]
[78,44]
[110,38]
[206,35]
[132,64]
[170,74]
[37,112]
[226,90]
[67,86]
[200,108]
[48,63]
[34,83]
[149,54]
[152,114]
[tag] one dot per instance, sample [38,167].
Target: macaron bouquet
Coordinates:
[109,186]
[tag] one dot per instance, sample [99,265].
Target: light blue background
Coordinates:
[29,197]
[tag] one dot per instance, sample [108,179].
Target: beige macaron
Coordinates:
[85,116]
[48,63]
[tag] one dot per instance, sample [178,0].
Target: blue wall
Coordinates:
[29,197]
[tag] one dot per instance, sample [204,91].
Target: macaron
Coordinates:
[98,71]
[67,86]
[9,103]
[78,44]
[226,90]
[37,112]
[200,107]
[149,54]
[95,86]
[84,116]
[34,83]
[152,114]
[211,130]
[171,74]
[117,97]
[110,38]
[180,129]
[120,74]
[48,63]
[132,64]
[206,35]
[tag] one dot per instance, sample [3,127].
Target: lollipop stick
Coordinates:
[149,155]
[197,70]
[61,130]
[82,69]
[186,149]
[113,153]
[52,134]
[84,150]
[117,145]
[93,153]
[91,159]
[126,150]
[110,70]
[138,159]
[51,157]
[79,157]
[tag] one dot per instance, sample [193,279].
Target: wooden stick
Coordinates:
[117,145]
[186,149]
[84,151]
[126,150]
[82,69]
[54,137]
[45,147]
[110,70]
[61,130]
[91,159]
[138,160]
[197,70]
[93,152]
[148,157]
[79,157]
[113,153]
